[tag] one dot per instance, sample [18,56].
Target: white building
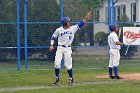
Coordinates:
[131,8]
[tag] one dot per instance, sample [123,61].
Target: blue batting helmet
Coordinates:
[64,20]
[112,27]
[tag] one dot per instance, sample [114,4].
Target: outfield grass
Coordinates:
[42,77]
[85,70]
[45,77]
[125,87]
[79,62]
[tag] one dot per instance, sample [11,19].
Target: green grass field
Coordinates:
[85,70]
[79,62]
[98,88]
[45,77]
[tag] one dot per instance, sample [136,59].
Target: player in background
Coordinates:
[114,45]
[65,35]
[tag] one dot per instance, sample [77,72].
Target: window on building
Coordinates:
[97,15]
[133,12]
[106,14]
[118,13]
[123,9]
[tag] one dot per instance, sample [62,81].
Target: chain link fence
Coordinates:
[27,47]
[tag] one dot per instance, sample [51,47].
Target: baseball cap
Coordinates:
[113,26]
[64,20]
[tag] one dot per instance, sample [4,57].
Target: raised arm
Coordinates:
[87,18]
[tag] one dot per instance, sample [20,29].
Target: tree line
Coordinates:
[38,34]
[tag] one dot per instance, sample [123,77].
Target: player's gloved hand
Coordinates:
[51,48]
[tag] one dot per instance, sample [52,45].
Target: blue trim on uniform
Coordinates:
[116,71]
[81,23]
[57,72]
[70,73]
[53,38]
[110,71]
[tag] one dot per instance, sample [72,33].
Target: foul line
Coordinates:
[57,86]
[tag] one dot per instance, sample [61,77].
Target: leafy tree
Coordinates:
[41,11]
[7,31]
[76,11]
[101,38]
[38,11]
[38,34]
[7,14]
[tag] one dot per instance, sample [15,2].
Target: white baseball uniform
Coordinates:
[114,50]
[65,39]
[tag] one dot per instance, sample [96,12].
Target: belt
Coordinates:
[64,46]
[114,48]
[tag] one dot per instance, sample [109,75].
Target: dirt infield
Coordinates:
[130,76]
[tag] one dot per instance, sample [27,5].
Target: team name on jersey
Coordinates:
[65,33]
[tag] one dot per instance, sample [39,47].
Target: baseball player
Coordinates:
[114,45]
[65,35]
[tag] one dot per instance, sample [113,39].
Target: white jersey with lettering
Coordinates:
[112,38]
[65,36]
[114,50]
[65,39]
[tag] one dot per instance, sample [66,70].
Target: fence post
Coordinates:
[26,35]
[61,16]
[113,11]
[109,13]
[61,9]
[18,34]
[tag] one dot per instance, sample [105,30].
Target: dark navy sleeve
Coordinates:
[53,38]
[80,24]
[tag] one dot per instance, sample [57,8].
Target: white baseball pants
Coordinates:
[114,58]
[66,52]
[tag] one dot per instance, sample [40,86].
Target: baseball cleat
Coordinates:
[71,81]
[55,81]
[118,77]
[111,77]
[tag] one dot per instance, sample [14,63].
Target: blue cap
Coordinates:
[112,27]
[64,20]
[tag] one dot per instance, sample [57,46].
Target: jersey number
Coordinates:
[69,37]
